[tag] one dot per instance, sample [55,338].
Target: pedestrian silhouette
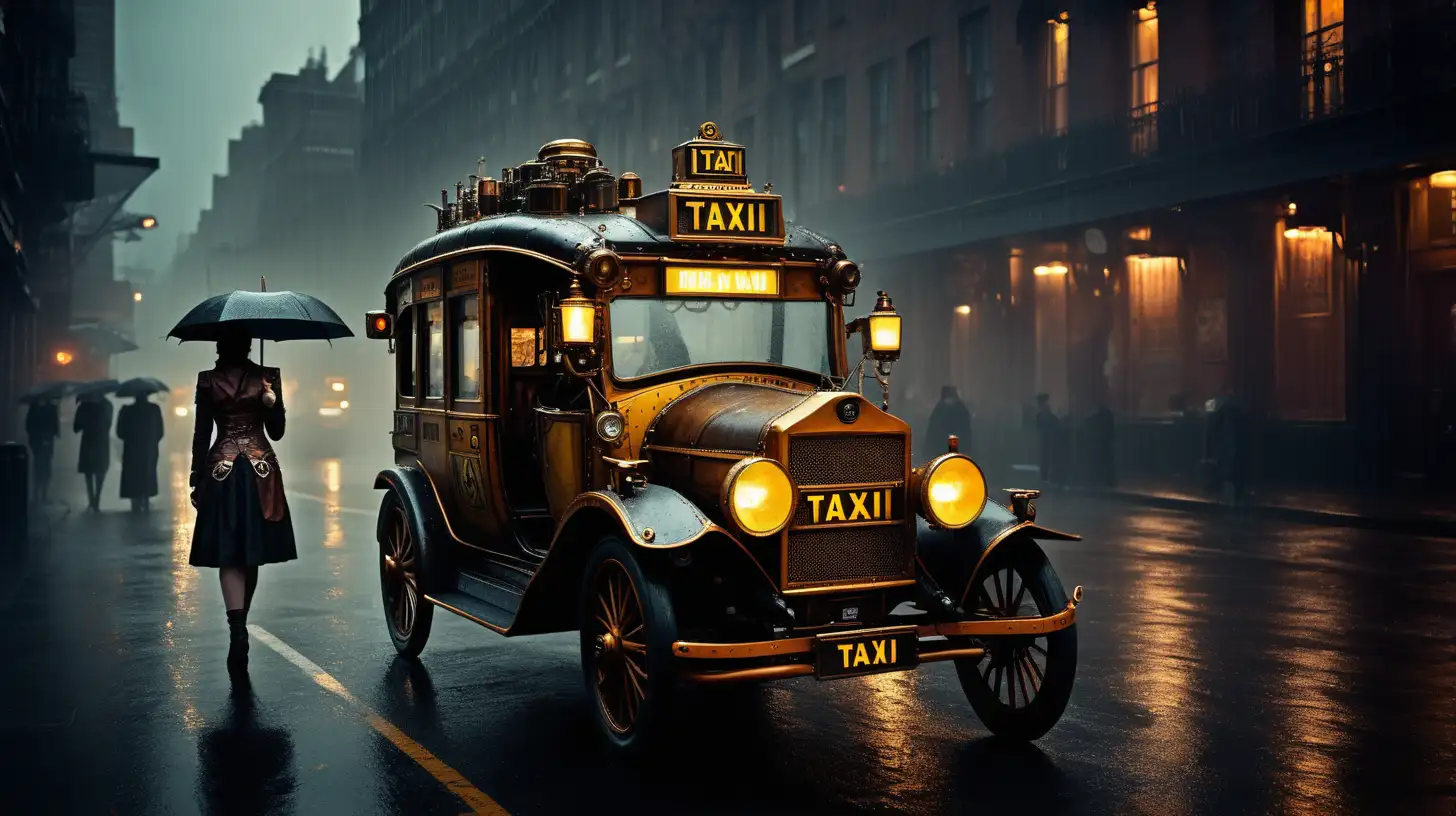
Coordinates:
[1226,447]
[139,427]
[949,416]
[93,423]
[1099,431]
[1049,432]
[42,426]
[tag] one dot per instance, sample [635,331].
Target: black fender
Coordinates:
[954,558]
[654,520]
[427,522]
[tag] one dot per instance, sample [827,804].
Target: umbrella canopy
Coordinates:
[96,389]
[141,386]
[262,315]
[49,391]
[101,339]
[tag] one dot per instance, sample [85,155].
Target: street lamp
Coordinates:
[136,296]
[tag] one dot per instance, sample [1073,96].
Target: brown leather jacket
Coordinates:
[232,398]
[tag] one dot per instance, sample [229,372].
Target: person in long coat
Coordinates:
[93,423]
[237,488]
[139,427]
[949,417]
[42,426]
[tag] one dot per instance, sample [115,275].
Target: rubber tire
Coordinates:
[655,715]
[1035,720]
[409,647]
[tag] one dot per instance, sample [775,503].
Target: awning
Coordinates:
[100,339]
[117,177]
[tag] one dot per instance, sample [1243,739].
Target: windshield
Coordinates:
[651,335]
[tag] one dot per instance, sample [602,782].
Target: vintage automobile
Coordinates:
[638,417]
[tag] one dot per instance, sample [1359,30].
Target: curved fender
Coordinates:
[656,517]
[954,557]
[427,520]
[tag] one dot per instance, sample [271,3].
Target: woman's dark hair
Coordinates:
[234,347]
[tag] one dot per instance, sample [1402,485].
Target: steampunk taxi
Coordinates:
[638,417]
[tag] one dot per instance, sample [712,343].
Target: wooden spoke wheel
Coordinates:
[1020,687]
[627,629]
[401,563]
[621,670]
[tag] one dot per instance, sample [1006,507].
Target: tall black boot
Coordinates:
[237,659]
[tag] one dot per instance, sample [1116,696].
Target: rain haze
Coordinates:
[731,406]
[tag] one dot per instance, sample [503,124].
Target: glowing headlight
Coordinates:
[952,491]
[758,496]
[180,410]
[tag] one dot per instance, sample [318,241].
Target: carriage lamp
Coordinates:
[951,490]
[758,496]
[378,325]
[64,358]
[880,330]
[578,317]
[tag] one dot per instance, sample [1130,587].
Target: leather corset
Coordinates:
[232,399]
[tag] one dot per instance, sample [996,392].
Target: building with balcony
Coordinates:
[1142,205]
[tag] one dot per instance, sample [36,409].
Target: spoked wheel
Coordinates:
[627,629]
[400,565]
[1020,687]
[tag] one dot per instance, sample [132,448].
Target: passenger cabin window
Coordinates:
[404,352]
[465,318]
[434,350]
[526,347]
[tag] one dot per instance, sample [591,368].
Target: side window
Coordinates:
[465,334]
[434,332]
[404,352]
[527,348]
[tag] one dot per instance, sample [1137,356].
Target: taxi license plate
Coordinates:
[851,654]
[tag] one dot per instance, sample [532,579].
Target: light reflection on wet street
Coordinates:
[1226,666]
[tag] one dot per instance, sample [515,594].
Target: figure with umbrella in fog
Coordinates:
[242,516]
[42,427]
[139,427]
[93,423]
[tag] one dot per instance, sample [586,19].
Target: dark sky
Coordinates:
[188,76]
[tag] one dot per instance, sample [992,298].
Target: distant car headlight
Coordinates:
[952,491]
[758,496]
[343,403]
[180,411]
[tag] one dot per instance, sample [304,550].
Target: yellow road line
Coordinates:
[452,779]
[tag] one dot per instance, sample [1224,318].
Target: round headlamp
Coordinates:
[610,426]
[603,267]
[845,276]
[758,496]
[952,491]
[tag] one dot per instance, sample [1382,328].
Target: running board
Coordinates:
[482,600]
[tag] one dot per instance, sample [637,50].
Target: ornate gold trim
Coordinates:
[472,249]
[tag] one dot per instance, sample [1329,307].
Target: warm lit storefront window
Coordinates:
[1324,56]
[1144,84]
[1154,297]
[1310,344]
[1051,332]
[1054,115]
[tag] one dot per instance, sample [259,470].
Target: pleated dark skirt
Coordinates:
[231,530]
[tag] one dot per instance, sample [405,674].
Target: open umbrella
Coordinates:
[262,315]
[141,386]
[49,391]
[95,389]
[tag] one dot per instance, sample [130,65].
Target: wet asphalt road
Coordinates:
[1227,666]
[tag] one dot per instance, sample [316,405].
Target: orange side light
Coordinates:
[64,357]
[381,324]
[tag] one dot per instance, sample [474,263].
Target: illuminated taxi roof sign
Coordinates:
[718,280]
[710,200]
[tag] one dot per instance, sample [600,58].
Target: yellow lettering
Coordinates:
[750,218]
[723,163]
[695,206]
[836,509]
[735,215]
[893,659]
[888,514]
[877,505]
[844,650]
[759,281]
[858,510]
[762,219]
[814,507]
[861,658]
[715,216]
[879,646]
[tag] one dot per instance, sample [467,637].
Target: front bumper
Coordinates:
[796,654]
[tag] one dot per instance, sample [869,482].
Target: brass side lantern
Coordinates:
[882,337]
[578,316]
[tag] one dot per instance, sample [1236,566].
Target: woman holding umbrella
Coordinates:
[93,423]
[42,427]
[139,427]
[242,516]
